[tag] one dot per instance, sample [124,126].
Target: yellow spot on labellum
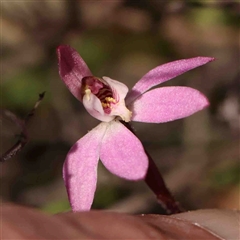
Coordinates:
[105,105]
[110,99]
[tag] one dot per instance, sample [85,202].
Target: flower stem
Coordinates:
[156,183]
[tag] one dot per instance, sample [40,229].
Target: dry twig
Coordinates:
[23,136]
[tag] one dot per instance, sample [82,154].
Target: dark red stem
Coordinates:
[156,183]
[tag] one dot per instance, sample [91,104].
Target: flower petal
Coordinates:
[80,169]
[122,153]
[72,69]
[167,104]
[164,73]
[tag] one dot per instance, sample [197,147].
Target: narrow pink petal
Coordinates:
[72,69]
[80,169]
[122,153]
[167,104]
[164,73]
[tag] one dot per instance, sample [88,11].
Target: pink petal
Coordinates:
[122,153]
[167,104]
[164,73]
[80,169]
[72,69]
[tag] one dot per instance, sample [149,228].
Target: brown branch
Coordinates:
[23,137]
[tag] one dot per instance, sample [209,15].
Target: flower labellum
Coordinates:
[109,101]
[104,98]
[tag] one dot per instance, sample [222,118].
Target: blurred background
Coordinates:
[123,39]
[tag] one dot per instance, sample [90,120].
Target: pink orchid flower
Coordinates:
[109,101]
